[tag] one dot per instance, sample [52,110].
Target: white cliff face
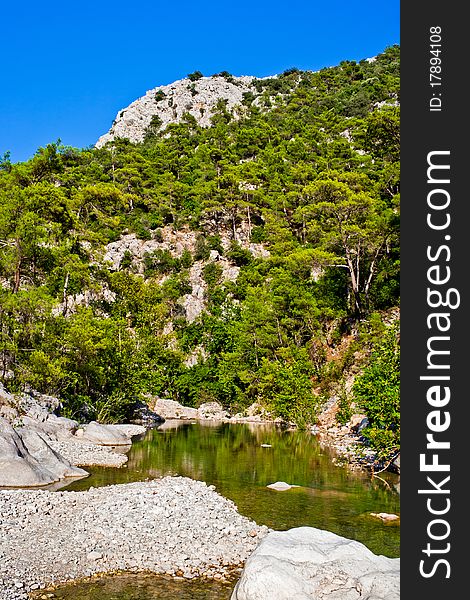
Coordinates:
[195,302]
[170,102]
[174,241]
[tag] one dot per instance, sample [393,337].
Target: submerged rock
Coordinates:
[308,564]
[281,486]
[386,517]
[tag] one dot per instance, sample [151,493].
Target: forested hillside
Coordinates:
[278,222]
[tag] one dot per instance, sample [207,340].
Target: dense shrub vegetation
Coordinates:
[309,164]
[377,391]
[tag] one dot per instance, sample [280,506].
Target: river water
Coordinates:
[241,460]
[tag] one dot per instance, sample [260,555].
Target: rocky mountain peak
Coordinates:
[167,104]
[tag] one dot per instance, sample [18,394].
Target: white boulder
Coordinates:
[56,428]
[105,435]
[170,409]
[311,564]
[213,411]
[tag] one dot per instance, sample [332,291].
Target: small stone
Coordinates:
[280,486]
[94,555]
[385,516]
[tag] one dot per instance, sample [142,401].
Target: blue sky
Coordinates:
[68,67]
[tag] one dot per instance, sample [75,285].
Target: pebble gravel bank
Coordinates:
[174,525]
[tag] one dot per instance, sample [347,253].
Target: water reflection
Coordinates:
[142,587]
[231,457]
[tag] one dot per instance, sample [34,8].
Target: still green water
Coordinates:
[231,457]
[142,587]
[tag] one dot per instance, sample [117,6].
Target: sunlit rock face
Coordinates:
[309,563]
[170,102]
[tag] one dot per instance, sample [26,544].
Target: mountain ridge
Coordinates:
[170,103]
[196,95]
[223,263]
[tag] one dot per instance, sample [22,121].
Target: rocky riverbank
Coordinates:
[347,445]
[30,457]
[39,448]
[105,446]
[210,411]
[173,526]
[82,453]
[347,442]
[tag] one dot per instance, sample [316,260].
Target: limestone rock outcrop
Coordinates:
[56,428]
[213,411]
[170,102]
[27,460]
[39,448]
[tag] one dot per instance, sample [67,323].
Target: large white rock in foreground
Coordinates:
[307,563]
